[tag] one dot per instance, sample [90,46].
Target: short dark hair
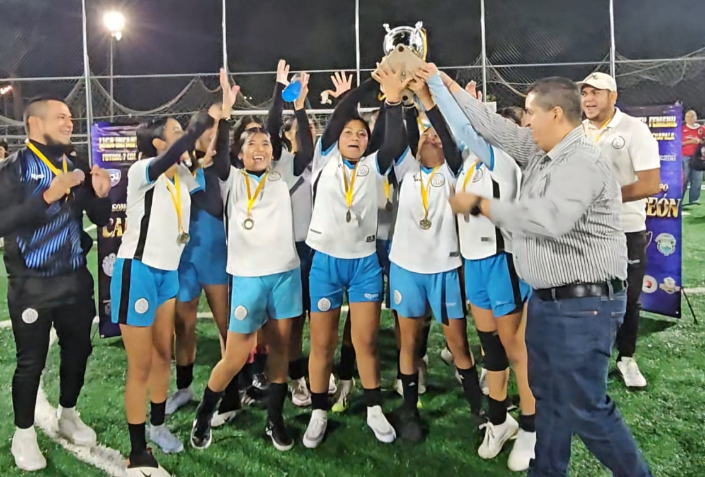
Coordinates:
[237,137]
[557,91]
[147,132]
[35,107]
[513,113]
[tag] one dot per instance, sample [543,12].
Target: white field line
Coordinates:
[90,228]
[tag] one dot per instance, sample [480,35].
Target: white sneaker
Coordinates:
[74,429]
[332,388]
[496,437]
[221,419]
[447,356]
[522,452]
[300,395]
[483,382]
[377,421]
[399,387]
[165,439]
[630,373]
[423,371]
[179,399]
[147,472]
[316,430]
[26,451]
[345,388]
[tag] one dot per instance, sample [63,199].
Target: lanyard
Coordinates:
[386,188]
[426,189]
[175,198]
[47,162]
[469,174]
[349,188]
[252,198]
[604,125]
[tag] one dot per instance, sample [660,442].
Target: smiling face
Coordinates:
[597,103]
[256,152]
[51,120]
[430,148]
[353,140]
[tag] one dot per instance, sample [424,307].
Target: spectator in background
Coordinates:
[692,136]
[4,149]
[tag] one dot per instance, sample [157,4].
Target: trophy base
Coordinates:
[403,60]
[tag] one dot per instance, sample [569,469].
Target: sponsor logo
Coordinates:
[371,296]
[30,315]
[119,208]
[36,177]
[371,238]
[477,176]
[650,284]
[240,313]
[666,244]
[618,142]
[142,306]
[397,297]
[109,264]
[115,176]
[324,304]
[438,180]
[363,170]
[668,158]
[669,286]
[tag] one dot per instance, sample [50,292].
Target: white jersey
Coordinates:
[330,232]
[301,194]
[425,251]
[152,223]
[479,238]
[385,215]
[268,247]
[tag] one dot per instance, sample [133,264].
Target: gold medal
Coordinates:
[425,224]
[183,238]
[175,193]
[348,216]
[251,198]
[425,189]
[248,223]
[349,189]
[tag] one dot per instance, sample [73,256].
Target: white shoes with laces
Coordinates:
[316,430]
[26,451]
[179,399]
[630,373]
[165,439]
[73,429]
[496,436]
[300,395]
[377,421]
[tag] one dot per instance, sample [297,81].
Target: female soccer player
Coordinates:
[343,233]
[266,279]
[145,278]
[425,261]
[496,294]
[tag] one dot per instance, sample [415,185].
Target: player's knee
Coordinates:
[495,355]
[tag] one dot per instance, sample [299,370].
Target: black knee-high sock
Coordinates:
[277,395]
[496,411]
[471,388]
[297,369]
[157,414]
[209,403]
[260,363]
[423,345]
[346,368]
[184,376]
[138,439]
[231,398]
[410,383]
[527,422]
[319,401]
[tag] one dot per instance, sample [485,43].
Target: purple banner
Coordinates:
[661,292]
[114,149]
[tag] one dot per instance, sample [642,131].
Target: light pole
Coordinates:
[114,22]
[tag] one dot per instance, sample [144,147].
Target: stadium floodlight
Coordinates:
[5,89]
[115,23]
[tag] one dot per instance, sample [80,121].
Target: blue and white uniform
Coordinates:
[145,273]
[204,258]
[425,262]
[263,263]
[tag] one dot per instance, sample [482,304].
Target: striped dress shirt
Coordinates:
[566,224]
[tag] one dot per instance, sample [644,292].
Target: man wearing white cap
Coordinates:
[635,159]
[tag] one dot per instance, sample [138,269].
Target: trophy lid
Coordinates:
[413,37]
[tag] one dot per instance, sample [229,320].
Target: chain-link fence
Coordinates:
[167,59]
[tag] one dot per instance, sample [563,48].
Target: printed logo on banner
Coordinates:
[115,176]
[650,284]
[666,244]
[669,286]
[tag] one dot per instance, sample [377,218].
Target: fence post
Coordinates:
[484,50]
[357,39]
[225,38]
[613,47]
[87,79]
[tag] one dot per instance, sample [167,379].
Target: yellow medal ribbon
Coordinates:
[175,193]
[349,188]
[47,162]
[252,198]
[426,189]
[469,174]
[387,193]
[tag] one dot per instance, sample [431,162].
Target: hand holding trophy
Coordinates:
[405,52]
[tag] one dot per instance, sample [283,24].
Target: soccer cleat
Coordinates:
[409,424]
[26,451]
[483,382]
[260,382]
[74,429]
[280,435]
[631,374]
[316,430]
[377,421]
[145,465]
[423,372]
[201,434]
[332,388]
[447,356]
[522,452]
[222,418]
[342,402]
[165,439]
[300,395]
[179,399]
[496,437]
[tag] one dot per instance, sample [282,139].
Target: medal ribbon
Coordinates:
[426,189]
[175,193]
[349,188]
[252,198]
[47,162]
[469,174]
[386,188]
[604,125]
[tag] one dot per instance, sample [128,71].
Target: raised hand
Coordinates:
[229,94]
[342,83]
[301,100]
[100,178]
[471,88]
[391,82]
[283,73]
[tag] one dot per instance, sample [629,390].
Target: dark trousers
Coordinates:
[31,327]
[569,342]
[628,332]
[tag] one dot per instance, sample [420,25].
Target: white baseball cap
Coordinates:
[599,81]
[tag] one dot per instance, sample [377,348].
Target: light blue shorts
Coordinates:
[256,299]
[193,275]
[413,292]
[492,284]
[330,277]
[137,290]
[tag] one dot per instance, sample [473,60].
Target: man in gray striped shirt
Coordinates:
[569,246]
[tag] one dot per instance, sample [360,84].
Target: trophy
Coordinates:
[405,51]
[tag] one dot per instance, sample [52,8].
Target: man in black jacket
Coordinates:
[43,195]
